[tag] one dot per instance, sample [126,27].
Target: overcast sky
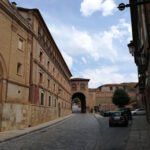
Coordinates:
[92,36]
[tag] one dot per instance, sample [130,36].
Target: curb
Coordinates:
[38,129]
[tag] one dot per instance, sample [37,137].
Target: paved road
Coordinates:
[112,138]
[81,132]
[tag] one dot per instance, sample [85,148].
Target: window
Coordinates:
[82,86]
[54,71]
[19,65]
[20,44]
[74,87]
[49,101]
[55,103]
[48,83]
[41,78]
[54,87]
[48,65]
[41,56]
[42,99]
[111,88]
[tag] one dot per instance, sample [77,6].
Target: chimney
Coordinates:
[14,4]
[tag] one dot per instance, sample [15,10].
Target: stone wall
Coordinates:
[18,116]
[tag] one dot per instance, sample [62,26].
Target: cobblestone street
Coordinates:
[81,132]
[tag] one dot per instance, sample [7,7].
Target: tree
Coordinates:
[120,98]
[76,100]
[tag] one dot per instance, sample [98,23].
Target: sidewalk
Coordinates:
[139,138]
[7,135]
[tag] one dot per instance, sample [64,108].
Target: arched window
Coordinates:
[19,66]
[41,56]
[42,99]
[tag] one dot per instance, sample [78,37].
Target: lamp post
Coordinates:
[122,6]
[131,47]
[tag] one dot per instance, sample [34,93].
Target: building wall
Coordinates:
[18,116]
[141,39]
[20,68]
[105,93]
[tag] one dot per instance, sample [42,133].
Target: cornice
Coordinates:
[54,60]
[14,14]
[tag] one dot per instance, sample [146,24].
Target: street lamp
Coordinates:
[122,6]
[131,47]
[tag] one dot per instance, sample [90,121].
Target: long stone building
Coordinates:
[34,78]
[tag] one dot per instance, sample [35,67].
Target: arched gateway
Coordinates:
[82,99]
[79,89]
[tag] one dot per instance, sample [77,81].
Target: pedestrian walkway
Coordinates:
[139,138]
[7,135]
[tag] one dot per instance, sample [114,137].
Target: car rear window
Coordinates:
[116,114]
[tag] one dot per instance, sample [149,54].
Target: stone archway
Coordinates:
[82,99]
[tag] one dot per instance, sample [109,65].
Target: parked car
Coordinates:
[139,111]
[127,112]
[118,118]
[105,113]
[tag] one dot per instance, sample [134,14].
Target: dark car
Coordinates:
[127,112]
[118,118]
[105,113]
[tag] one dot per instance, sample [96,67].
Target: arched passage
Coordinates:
[82,99]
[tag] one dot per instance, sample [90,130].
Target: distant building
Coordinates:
[105,93]
[102,96]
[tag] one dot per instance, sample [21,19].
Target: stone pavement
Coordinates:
[7,135]
[139,138]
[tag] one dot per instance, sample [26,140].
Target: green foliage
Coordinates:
[120,98]
[76,100]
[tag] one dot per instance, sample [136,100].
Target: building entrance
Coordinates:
[82,102]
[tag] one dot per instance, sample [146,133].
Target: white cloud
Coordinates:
[107,74]
[88,7]
[96,45]
[84,60]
